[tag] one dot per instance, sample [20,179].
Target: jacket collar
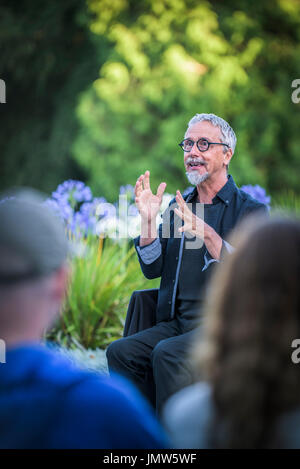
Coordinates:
[225,194]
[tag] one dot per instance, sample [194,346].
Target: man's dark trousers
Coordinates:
[156,360]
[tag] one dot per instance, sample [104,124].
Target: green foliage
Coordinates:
[101,90]
[102,281]
[168,60]
[47,59]
[287,202]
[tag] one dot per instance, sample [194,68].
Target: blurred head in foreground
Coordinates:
[33,271]
[253,317]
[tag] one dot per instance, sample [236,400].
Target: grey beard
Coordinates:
[195,178]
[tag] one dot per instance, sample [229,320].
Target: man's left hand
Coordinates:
[198,227]
[192,223]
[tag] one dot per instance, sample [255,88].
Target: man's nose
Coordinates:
[192,154]
[194,151]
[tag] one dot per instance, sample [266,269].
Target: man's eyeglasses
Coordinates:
[202,144]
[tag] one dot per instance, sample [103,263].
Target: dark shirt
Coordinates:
[191,278]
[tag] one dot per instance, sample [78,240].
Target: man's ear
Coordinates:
[227,157]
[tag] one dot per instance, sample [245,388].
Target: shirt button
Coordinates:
[176,258]
[173,280]
[226,202]
[170,302]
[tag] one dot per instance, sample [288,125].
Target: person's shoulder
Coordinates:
[287,429]
[187,399]
[83,409]
[112,394]
[57,370]
[112,406]
[247,197]
[187,414]
[249,204]
[35,364]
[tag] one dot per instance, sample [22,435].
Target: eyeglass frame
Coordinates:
[207,141]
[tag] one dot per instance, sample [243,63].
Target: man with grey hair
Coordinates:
[45,402]
[183,256]
[227,139]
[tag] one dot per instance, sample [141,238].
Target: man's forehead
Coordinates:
[203,129]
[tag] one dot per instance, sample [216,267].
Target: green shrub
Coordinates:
[288,202]
[102,281]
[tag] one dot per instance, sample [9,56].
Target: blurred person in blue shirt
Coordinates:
[45,402]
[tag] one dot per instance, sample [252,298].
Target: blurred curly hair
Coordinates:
[252,317]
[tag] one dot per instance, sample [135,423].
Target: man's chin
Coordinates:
[195,178]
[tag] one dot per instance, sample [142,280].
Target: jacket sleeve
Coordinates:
[152,256]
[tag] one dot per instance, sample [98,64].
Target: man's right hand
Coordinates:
[147,203]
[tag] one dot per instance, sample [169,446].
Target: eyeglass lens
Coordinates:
[202,144]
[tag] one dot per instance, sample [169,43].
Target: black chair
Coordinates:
[141,312]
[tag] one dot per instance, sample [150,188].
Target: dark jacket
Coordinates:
[236,204]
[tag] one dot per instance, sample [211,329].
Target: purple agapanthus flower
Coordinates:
[77,225]
[133,210]
[88,215]
[60,208]
[128,190]
[67,200]
[258,193]
[53,205]
[72,192]
[81,213]
[103,208]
